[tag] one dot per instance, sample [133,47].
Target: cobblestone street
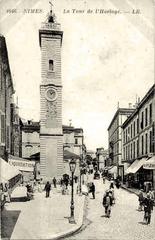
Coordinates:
[125,221]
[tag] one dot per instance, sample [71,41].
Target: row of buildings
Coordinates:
[20,139]
[132,142]
[10,122]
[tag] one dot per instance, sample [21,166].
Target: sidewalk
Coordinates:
[132,190]
[41,218]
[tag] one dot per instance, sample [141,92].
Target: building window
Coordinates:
[146,143]
[2,130]
[51,65]
[137,125]
[131,130]
[145,117]
[8,136]
[126,136]
[134,150]
[137,148]
[76,141]
[134,131]
[150,141]
[150,113]
[142,145]
[128,133]
[131,150]
[142,120]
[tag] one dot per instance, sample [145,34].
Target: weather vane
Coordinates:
[51,16]
[51,5]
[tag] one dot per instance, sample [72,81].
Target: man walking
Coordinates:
[93,190]
[47,189]
[54,182]
[148,207]
[107,203]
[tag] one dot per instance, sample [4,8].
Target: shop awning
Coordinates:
[7,171]
[149,163]
[69,155]
[113,170]
[135,166]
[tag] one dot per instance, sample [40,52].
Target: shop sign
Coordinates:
[27,166]
[149,166]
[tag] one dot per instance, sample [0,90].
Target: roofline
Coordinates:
[120,110]
[150,91]
[7,61]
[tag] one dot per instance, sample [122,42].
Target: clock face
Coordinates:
[51,94]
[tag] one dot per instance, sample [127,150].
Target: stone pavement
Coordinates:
[125,223]
[41,218]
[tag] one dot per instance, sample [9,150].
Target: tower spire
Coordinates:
[51,16]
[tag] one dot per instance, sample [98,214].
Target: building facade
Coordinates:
[73,140]
[51,137]
[6,95]
[138,139]
[115,138]
[30,138]
[101,155]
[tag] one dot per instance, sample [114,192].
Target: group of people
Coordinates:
[146,203]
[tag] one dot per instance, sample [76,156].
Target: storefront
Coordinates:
[10,177]
[149,166]
[135,174]
[26,167]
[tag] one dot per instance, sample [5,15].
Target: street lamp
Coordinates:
[80,179]
[72,165]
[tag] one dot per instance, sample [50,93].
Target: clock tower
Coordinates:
[51,138]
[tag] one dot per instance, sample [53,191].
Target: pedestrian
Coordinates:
[66,182]
[111,183]
[103,179]
[93,190]
[118,183]
[111,194]
[148,208]
[107,203]
[47,189]
[141,200]
[54,182]
[61,182]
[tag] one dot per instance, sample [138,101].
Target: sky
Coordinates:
[107,58]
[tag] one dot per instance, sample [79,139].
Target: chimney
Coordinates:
[130,105]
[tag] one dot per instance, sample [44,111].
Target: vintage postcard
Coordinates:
[77,119]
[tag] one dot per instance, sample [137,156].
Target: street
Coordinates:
[125,221]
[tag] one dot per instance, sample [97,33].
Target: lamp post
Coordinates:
[80,180]
[72,165]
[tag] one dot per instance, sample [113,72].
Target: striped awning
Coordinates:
[135,166]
